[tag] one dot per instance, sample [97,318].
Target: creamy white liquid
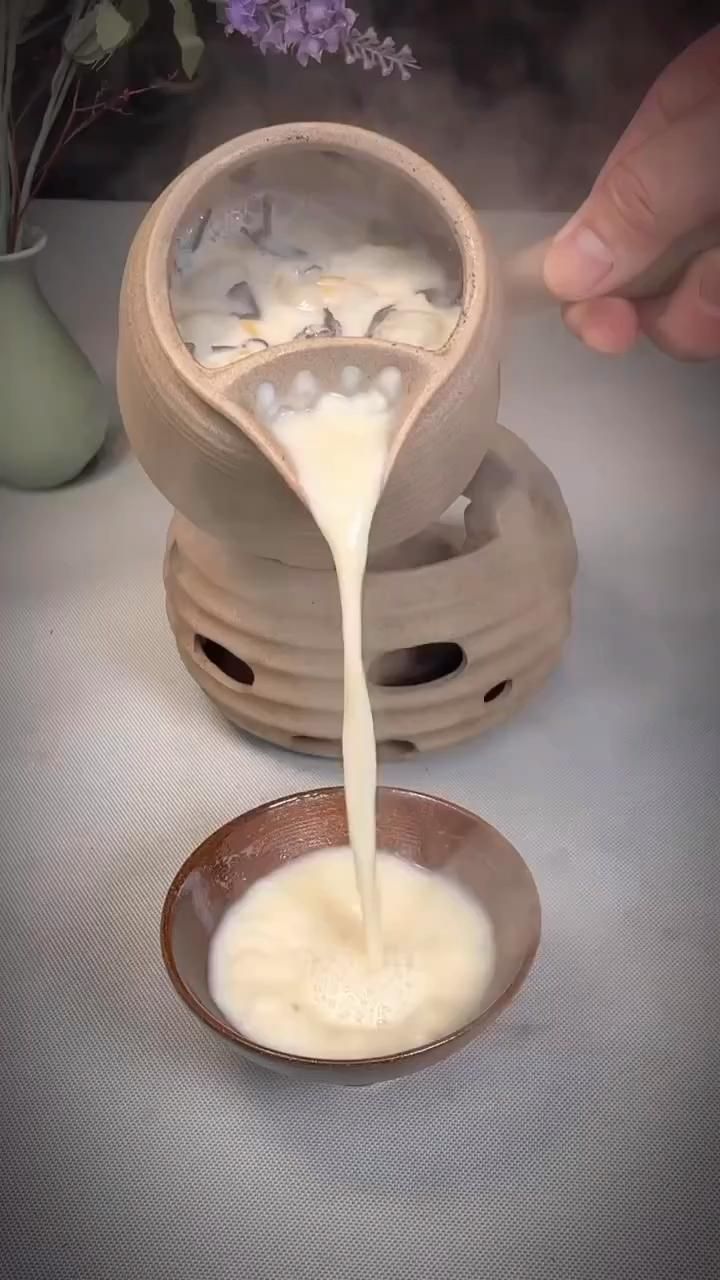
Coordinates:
[306,961]
[293,279]
[288,966]
[339,446]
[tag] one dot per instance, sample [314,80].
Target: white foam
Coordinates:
[288,965]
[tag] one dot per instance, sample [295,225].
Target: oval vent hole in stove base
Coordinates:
[231,666]
[420,664]
[498,690]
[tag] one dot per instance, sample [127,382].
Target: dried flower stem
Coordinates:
[59,88]
[16,187]
[10,24]
[79,117]
[367,47]
[88,115]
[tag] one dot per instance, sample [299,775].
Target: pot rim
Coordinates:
[176,202]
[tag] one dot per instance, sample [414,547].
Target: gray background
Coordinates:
[579,1137]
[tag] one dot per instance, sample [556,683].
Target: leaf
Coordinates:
[111,28]
[81,42]
[97,34]
[185,32]
[137,12]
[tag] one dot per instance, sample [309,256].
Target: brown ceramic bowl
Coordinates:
[427,831]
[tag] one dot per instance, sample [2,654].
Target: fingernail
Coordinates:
[577,261]
[710,285]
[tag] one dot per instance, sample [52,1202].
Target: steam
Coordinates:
[519,108]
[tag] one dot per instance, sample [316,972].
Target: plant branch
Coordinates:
[62,138]
[10,25]
[41,27]
[32,97]
[62,80]
[12,158]
[80,118]
[4,166]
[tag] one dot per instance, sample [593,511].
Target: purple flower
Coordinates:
[323,16]
[310,28]
[295,28]
[242,16]
[271,38]
[309,47]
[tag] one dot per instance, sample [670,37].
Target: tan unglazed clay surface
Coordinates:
[502,597]
[194,429]
[461,627]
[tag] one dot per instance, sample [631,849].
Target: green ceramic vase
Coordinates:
[53,409]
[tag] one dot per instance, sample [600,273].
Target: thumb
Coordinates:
[665,188]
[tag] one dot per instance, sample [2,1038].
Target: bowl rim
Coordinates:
[466,1031]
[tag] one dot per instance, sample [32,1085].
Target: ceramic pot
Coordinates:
[194,428]
[54,409]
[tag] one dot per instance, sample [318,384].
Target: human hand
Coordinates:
[661,182]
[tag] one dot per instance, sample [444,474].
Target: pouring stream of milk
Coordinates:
[339,445]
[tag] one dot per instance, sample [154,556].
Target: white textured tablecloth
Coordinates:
[580,1137]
